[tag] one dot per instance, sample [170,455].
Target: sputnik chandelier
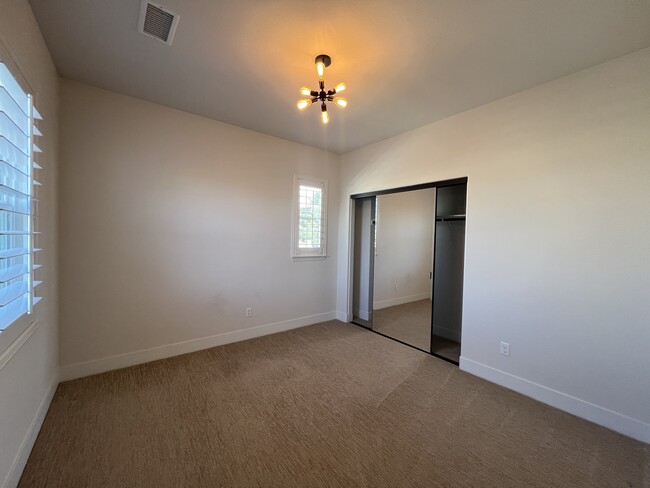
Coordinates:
[322,61]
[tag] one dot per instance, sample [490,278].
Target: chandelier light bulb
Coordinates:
[325,118]
[303,104]
[320,68]
[341,102]
[305,91]
[340,87]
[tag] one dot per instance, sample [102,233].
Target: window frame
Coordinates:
[298,253]
[12,332]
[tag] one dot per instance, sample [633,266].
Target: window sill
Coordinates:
[308,258]
[17,341]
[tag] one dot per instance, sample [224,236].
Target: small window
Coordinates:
[309,230]
[18,207]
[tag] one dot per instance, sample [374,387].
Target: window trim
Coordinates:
[320,253]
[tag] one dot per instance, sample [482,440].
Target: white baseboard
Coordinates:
[17,467]
[88,368]
[391,302]
[618,422]
[344,317]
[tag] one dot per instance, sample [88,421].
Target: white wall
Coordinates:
[558,235]
[171,225]
[29,373]
[404,247]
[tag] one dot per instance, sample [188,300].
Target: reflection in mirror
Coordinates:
[403,265]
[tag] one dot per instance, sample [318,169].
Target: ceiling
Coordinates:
[406,63]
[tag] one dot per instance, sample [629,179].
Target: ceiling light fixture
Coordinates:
[322,61]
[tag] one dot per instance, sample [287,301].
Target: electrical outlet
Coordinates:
[249,311]
[396,286]
[505,349]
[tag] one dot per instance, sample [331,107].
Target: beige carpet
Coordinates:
[330,405]
[409,322]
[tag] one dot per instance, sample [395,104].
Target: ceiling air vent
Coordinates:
[157,22]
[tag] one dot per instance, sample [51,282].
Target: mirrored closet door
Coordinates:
[364,252]
[408,249]
[403,266]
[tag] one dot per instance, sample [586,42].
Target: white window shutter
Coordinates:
[309,225]
[18,201]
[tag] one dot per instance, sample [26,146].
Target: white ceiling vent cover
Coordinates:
[157,22]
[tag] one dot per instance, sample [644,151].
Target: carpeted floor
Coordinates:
[331,405]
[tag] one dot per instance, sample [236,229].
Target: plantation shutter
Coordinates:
[18,202]
[310,217]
